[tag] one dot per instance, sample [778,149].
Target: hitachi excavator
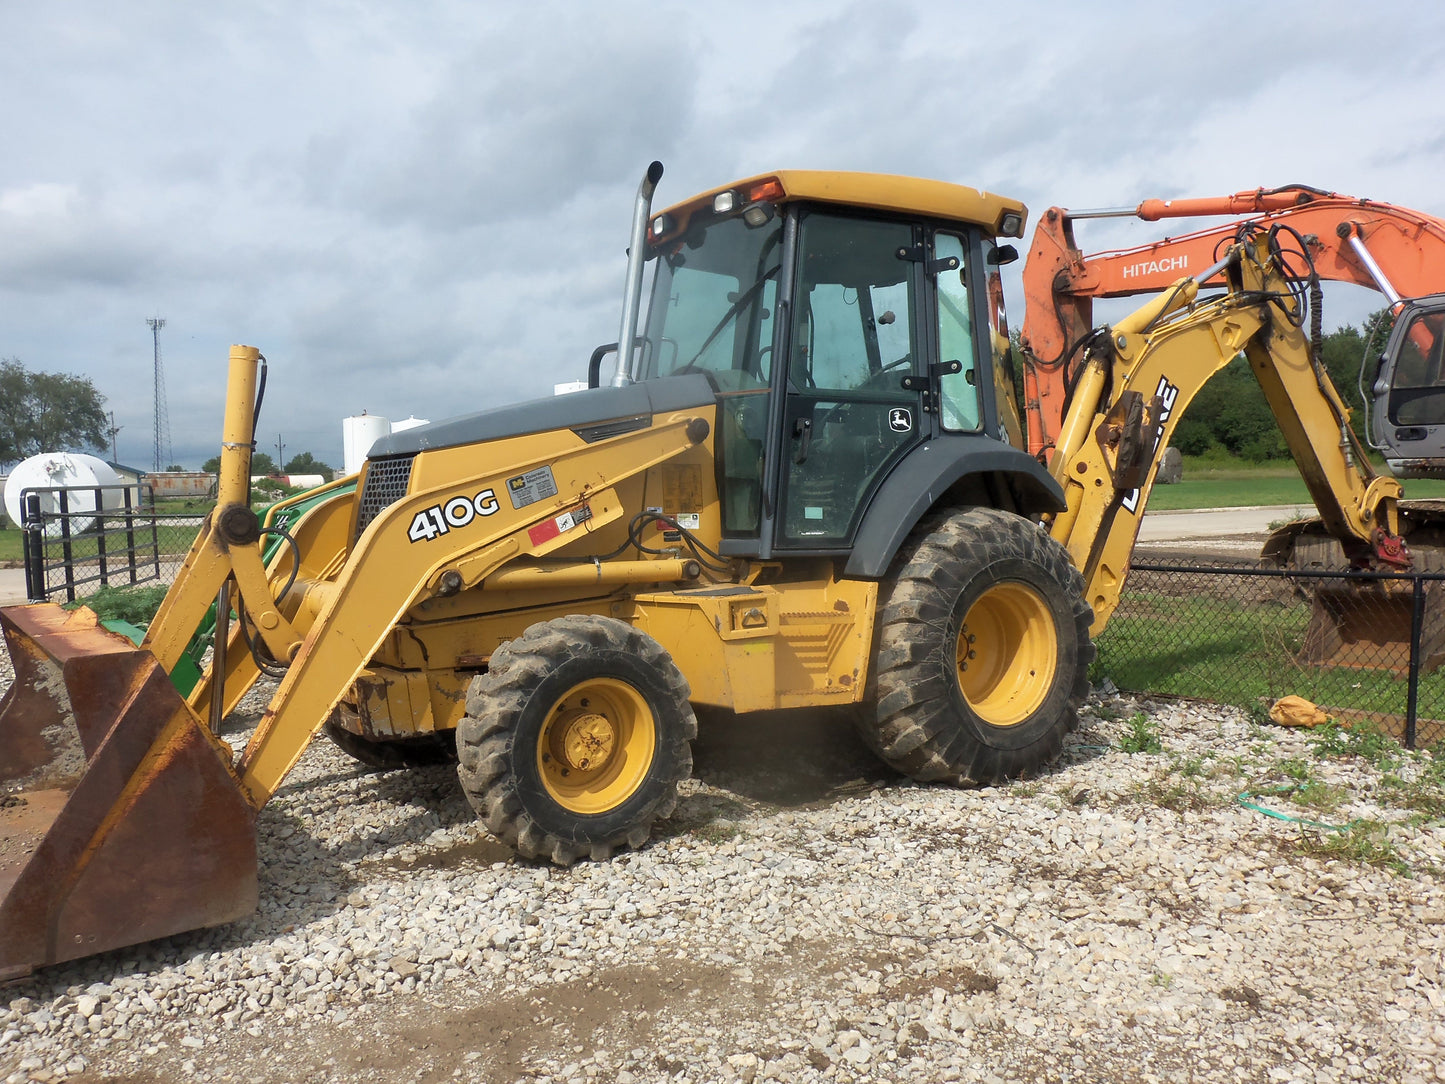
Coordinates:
[804,486]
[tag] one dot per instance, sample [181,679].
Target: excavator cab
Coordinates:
[1408,408]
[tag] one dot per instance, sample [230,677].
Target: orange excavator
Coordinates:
[1395,250]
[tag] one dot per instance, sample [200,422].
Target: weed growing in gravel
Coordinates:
[717,831]
[1414,781]
[137,605]
[1177,794]
[1364,740]
[1364,841]
[1161,980]
[1418,785]
[1142,735]
[1301,771]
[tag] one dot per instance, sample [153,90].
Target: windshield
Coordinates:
[713,297]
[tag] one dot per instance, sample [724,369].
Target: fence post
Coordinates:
[130,530]
[66,552]
[100,536]
[34,529]
[1417,625]
[155,532]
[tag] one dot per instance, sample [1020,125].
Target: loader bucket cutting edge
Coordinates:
[120,818]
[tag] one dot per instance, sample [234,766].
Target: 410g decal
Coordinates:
[437,520]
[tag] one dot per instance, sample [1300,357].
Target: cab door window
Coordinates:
[853,340]
[960,407]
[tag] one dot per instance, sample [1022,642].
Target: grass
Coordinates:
[1211,483]
[1238,653]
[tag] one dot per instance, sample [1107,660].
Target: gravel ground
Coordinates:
[807,916]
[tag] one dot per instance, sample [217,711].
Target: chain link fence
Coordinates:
[1361,645]
[78,540]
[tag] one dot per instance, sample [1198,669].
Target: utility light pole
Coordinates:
[280,455]
[162,454]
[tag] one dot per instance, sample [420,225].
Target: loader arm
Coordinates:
[1140,376]
[1395,250]
[393,567]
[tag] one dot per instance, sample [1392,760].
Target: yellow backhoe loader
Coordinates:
[798,490]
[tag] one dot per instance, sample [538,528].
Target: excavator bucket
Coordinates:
[120,818]
[1367,626]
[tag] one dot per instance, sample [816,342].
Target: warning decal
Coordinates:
[549,529]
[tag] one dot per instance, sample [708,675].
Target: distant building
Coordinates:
[176,483]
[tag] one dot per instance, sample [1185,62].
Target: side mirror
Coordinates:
[1002,255]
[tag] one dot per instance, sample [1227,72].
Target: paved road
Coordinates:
[12,586]
[1221,523]
[1157,527]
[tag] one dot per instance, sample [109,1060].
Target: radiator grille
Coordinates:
[386,482]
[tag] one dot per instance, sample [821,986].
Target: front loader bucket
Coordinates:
[120,818]
[1366,626]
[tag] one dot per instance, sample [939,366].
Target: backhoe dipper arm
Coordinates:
[1395,250]
[1140,376]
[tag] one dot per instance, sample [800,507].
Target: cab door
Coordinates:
[1409,392]
[854,338]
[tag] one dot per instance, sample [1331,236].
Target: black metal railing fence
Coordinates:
[78,539]
[1361,645]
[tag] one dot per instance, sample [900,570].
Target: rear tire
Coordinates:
[576,738]
[983,651]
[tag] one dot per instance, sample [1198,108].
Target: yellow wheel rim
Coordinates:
[1007,654]
[596,746]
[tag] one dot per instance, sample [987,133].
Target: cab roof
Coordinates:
[874,191]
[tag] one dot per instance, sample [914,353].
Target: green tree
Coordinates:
[261,463]
[1229,416]
[306,463]
[47,412]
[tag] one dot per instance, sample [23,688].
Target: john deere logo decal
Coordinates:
[900,419]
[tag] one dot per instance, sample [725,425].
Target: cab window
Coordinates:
[960,406]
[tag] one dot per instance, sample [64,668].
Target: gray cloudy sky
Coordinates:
[422,208]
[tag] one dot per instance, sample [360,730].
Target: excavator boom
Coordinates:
[1395,250]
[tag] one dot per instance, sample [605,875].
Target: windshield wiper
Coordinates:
[728,317]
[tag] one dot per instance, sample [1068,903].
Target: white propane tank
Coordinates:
[71,470]
[358,434]
[304,481]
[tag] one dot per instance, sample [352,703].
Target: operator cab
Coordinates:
[1408,409]
[844,321]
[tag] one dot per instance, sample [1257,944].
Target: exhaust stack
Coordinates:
[632,292]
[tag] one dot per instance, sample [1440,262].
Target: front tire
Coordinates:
[576,738]
[983,651]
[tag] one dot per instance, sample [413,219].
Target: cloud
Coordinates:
[423,209]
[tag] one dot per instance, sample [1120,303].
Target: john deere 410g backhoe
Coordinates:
[804,486]
[796,491]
